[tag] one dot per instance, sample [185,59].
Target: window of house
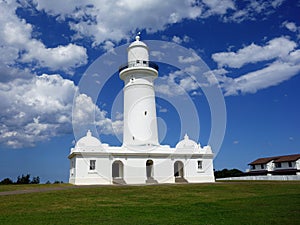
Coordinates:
[290,164]
[199,165]
[145,113]
[92,164]
[278,165]
[252,167]
[262,166]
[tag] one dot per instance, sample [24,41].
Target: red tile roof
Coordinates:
[262,160]
[288,158]
[284,158]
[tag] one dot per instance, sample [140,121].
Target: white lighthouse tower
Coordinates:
[140,125]
[141,159]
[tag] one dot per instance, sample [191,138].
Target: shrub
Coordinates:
[228,173]
[6,181]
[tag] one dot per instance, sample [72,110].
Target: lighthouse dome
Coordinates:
[88,141]
[137,42]
[138,51]
[186,143]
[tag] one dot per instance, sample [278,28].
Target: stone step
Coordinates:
[151,180]
[119,181]
[180,180]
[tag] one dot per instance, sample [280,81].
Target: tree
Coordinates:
[228,173]
[58,182]
[6,181]
[35,180]
[25,179]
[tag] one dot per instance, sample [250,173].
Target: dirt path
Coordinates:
[38,190]
[35,190]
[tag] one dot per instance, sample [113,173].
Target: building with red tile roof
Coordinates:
[276,165]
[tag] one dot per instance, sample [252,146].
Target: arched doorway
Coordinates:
[150,173]
[149,168]
[118,172]
[178,169]
[179,172]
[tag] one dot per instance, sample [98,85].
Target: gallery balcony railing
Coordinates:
[138,63]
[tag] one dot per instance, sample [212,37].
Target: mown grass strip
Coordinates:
[220,203]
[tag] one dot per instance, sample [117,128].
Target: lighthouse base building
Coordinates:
[141,159]
[96,163]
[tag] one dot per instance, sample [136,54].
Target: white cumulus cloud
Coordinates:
[285,64]
[86,114]
[271,75]
[178,83]
[275,48]
[180,40]
[18,44]
[40,108]
[109,20]
[218,7]
[251,9]
[290,26]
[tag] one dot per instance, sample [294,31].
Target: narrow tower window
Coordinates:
[145,113]
[199,165]
[92,164]
[133,138]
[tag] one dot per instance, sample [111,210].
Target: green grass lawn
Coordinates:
[220,203]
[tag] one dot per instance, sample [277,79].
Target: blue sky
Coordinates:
[251,47]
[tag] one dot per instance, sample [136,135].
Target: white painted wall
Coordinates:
[298,165]
[271,166]
[285,165]
[276,177]
[195,175]
[135,168]
[140,125]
